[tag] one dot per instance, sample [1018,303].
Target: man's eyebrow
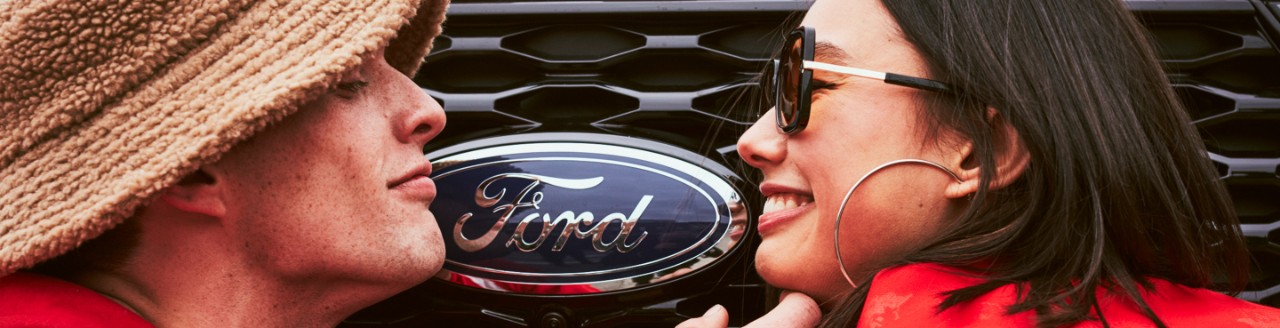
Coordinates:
[829,52]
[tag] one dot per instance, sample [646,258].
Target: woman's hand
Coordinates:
[793,310]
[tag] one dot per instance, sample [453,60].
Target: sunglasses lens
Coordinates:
[788,82]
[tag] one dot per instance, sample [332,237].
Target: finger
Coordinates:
[716,317]
[793,310]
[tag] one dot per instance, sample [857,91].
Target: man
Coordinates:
[246,163]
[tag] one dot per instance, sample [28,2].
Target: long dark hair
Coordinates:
[1119,188]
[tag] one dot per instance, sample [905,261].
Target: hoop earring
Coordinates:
[840,212]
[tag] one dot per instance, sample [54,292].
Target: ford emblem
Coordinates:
[579,217]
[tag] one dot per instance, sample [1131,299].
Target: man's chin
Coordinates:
[422,264]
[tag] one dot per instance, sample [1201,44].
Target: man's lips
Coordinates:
[416,183]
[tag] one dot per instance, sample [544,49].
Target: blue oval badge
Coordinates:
[579,218]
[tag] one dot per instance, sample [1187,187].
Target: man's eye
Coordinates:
[351,88]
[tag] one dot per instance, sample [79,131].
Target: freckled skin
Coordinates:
[854,127]
[301,225]
[310,195]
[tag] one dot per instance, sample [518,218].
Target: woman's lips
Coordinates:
[781,208]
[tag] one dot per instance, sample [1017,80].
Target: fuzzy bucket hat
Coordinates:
[105,102]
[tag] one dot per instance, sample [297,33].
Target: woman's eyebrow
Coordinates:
[830,53]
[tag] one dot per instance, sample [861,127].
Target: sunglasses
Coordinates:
[787,81]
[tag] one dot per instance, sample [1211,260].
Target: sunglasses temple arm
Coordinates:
[915,82]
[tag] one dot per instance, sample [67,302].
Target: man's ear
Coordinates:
[1011,158]
[200,193]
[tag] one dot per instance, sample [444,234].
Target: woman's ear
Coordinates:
[200,192]
[1011,160]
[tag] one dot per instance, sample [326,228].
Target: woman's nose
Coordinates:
[762,145]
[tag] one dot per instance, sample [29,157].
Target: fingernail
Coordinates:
[715,309]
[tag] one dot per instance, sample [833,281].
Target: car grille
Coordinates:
[1227,72]
[671,71]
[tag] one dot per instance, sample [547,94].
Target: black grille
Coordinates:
[670,71]
[1226,69]
[660,71]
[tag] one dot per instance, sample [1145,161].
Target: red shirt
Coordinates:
[908,296]
[32,300]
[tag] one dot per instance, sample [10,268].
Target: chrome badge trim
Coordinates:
[556,218]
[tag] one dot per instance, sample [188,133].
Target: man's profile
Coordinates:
[224,163]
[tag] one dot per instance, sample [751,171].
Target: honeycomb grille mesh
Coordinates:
[670,78]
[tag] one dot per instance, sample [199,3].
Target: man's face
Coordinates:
[340,189]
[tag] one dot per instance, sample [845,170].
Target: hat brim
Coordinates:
[260,67]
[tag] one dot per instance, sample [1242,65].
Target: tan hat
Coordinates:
[105,102]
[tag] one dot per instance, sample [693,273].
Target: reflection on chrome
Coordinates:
[573,222]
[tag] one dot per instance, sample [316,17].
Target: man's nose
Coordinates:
[425,117]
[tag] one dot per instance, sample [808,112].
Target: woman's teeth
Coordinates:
[778,202]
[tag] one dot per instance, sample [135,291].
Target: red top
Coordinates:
[908,296]
[31,300]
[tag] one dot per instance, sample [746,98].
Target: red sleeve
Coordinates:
[30,300]
[908,296]
[1179,305]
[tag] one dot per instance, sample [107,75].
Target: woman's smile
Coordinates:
[783,207]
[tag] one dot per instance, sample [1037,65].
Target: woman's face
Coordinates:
[855,125]
[340,189]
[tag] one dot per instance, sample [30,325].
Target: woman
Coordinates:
[1026,164]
